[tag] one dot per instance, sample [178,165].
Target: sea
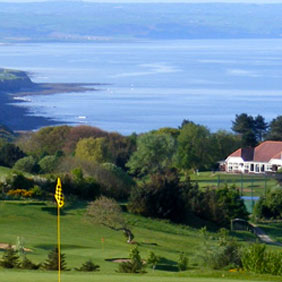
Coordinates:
[146,85]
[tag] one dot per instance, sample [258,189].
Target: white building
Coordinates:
[265,158]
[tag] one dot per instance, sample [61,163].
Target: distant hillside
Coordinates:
[82,21]
[13,80]
[6,133]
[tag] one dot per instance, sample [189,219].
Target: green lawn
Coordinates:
[249,185]
[35,223]
[23,276]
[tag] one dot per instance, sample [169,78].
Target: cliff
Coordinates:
[13,80]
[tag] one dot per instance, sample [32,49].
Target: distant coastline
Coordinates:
[19,118]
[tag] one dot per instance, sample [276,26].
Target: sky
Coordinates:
[154,1]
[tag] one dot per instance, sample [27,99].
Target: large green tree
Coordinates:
[223,144]
[46,141]
[154,154]
[107,212]
[93,149]
[194,147]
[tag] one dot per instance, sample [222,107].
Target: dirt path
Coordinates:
[263,236]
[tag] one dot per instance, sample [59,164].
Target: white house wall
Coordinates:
[238,165]
[234,164]
[277,162]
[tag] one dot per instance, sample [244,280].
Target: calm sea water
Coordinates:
[154,84]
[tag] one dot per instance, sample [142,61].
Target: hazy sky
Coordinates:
[151,1]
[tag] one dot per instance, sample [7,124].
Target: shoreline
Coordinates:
[18,119]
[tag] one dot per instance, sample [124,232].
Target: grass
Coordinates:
[24,276]
[249,185]
[35,223]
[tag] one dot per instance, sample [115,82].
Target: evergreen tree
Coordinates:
[134,265]
[245,126]
[52,261]
[261,127]
[275,129]
[10,258]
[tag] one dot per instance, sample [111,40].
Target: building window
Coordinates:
[257,168]
[262,168]
[252,167]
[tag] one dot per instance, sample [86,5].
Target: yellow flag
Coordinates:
[58,194]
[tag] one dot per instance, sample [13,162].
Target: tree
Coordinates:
[244,125]
[261,127]
[48,164]
[47,140]
[93,149]
[194,147]
[154,154]
[80,132]
[275,129]
[107,212]
[173,132]
[229,200]
[134,265]
[121,147]
[153,260]
[52,261]
[9,154]
[223,144]
[161,197]
[26,164]
[10,258]
[270,206]
[182,262]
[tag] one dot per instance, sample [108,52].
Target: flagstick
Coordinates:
[59,245]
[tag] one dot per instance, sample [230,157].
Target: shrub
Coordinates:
[134,265]
[28,264]
[26,164]
[17,180]
[52,261]
[254,258]
[182,262]
[218,206]
[10,258]
[223,253]
[48,164]
[153,260]
[161,197]
[258,259]
[88,266]
[37,192]
[270,206]
[20,193]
